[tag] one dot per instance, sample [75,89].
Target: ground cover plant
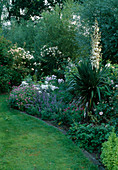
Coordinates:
[89,136]
[28,143]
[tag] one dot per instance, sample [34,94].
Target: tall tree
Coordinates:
[24,9]
[106,12]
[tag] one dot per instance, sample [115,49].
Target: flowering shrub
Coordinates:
[104,112]
[20,96]
[52,60]
[49,83]
[58,86]
[22,60]
[9,75]
[108,105]
[28,99]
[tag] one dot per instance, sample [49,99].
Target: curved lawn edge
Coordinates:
[29,143]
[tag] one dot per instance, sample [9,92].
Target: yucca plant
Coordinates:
[87,83]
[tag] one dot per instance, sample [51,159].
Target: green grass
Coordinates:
[27,143]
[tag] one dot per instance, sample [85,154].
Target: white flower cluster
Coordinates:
[20,52]
[53,77]
[100,113]
[24,83]
[52,51]
[47,86]
[60,81]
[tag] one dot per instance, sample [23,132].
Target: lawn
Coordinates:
[27,143]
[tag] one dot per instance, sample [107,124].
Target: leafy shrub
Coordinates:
[104,112]
[51,34]
[110,152]
[52,60]
[5,58]
[8,78]
[108,105]
[16,77]
[89,137]
[5,77]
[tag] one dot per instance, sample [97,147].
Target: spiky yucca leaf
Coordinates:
[87,82]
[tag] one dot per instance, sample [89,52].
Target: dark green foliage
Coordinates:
[6,61]
[106,12]
[8,78]
[29,8]
[16,77]
[107,109]
[86,84]
[5,77]
[89,137]
[22,34]
[5,58]
[54,31]
[110,152]
[72,113]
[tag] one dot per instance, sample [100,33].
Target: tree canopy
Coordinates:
[106,12]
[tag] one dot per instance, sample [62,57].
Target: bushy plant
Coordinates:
[14,64]
[5,58]
[22,60]
[110,152]
[35,102]
[52,60]
[20,96]
[72,113]
[58,83]
[16,77]
[106,110]
[23,34]
[55,28]
[89,137]
[5,79]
